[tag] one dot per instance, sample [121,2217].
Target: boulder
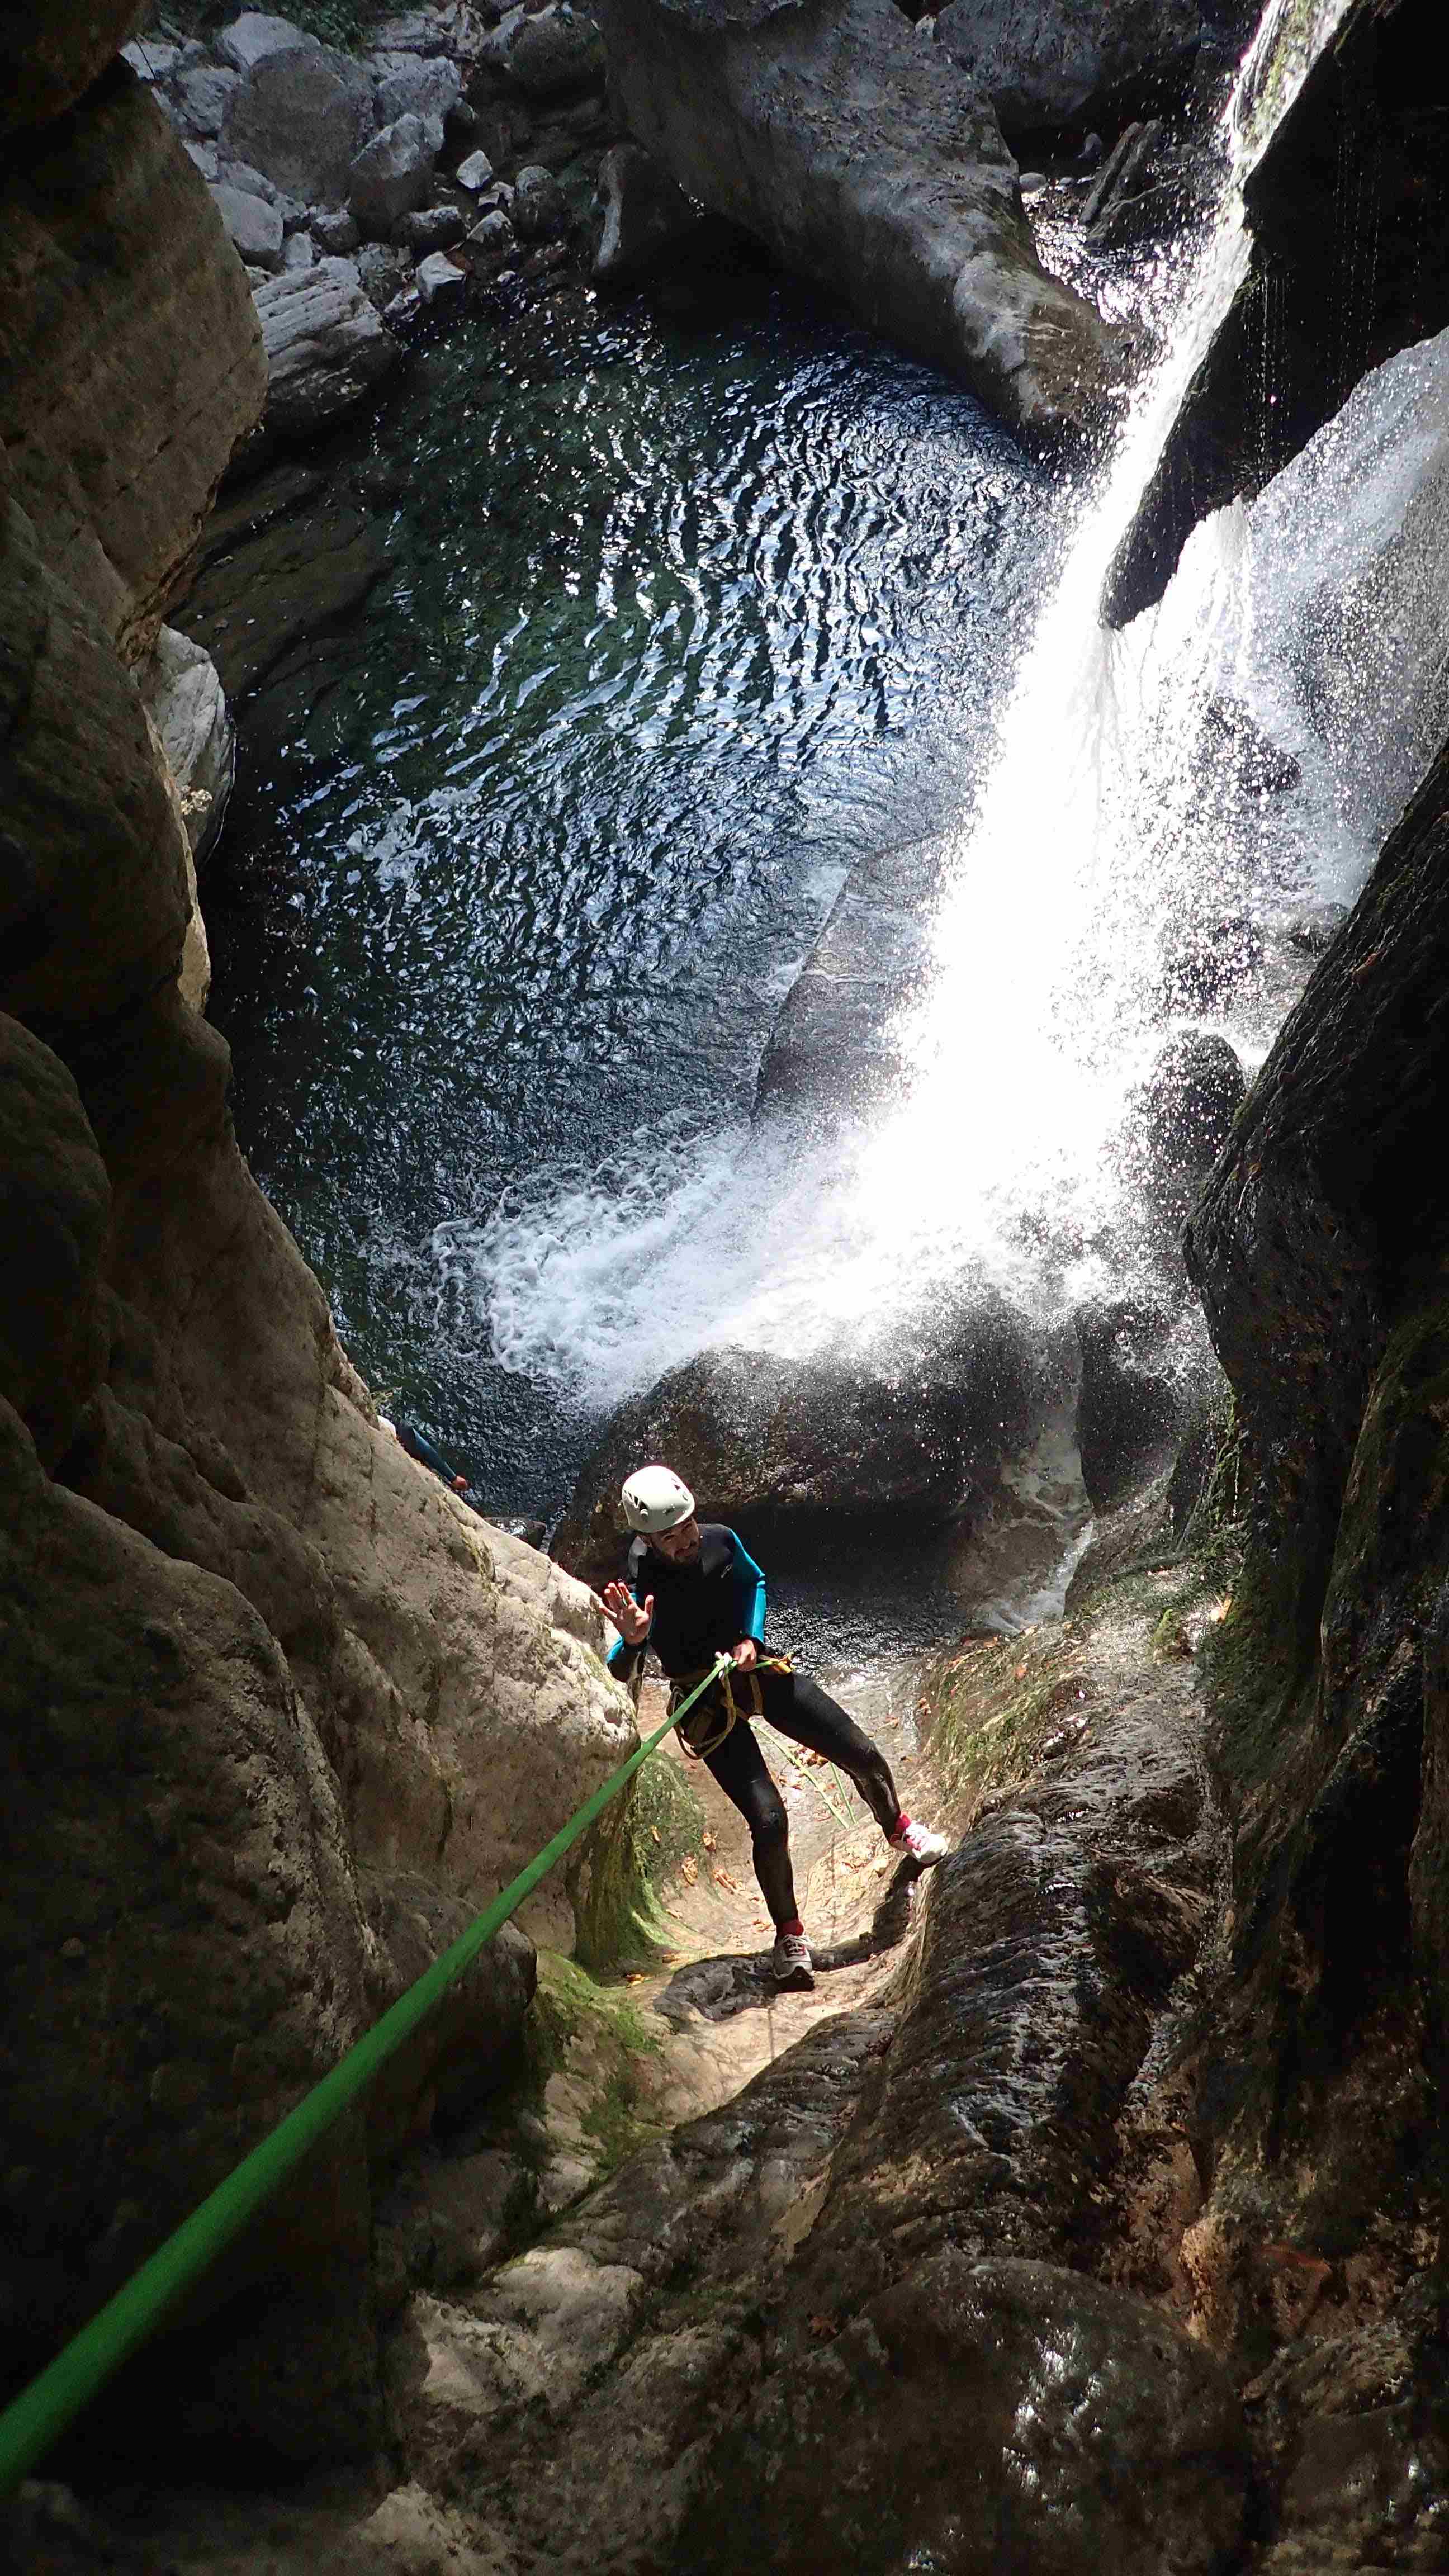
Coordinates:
[418,87]
[252,37]
[392,175]
[872,165]
[475,173]
[200,99]
[493,237]
[555,53]
[1052,63]
[253,228]
[540,211]
[334,230]
[255,183]
[299,251]
[448,29]
[385,268]
[645,221]
[326,348]
[438,282]
[432,228]
[763,1440]
[49,57]
[154,60]
[1146,1371]
[301,116]
[182,693]
[1184,1118]
[115,264]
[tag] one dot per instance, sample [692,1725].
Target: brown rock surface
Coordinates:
[49,56]
[55,1205]
[278,1713]
[93,900]
[130,354]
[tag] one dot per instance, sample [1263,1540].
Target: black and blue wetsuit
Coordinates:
[705,1608]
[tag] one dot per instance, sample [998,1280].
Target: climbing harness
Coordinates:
[78,2373]
[729,1712]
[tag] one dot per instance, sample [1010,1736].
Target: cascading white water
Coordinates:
[1105,842]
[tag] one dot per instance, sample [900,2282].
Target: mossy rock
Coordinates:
[623,1863]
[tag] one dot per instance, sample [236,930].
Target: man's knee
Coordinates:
[769,1824]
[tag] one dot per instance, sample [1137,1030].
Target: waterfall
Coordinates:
[1171,814]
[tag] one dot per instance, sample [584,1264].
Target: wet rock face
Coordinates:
[1344,291]
[1320,1251]
[760,1439]
[981,2415]
[872,166]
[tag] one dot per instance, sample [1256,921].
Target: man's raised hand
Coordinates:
[632,1623]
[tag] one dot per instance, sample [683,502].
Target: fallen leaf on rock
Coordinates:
[689,1869]
[635,1977]
[708,1841]
[1020,1673]
[654,1829]
[722,1878]
[824,2329]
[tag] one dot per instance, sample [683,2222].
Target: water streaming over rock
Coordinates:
[1171,816]
[689,628]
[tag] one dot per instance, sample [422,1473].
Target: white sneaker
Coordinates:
[791,1962]
[918,1841]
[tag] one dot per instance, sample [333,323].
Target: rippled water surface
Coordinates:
[675,623]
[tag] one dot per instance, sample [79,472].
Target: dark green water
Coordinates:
[675,623]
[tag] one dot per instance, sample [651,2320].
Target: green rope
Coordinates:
[51,2402]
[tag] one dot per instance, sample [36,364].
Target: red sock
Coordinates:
[794,1926]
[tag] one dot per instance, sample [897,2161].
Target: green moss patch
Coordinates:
[603,2058]
[623,1863]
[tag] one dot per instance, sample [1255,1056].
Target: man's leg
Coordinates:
[740,1768]
[800,1709]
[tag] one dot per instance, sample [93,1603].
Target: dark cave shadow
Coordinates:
[718,1989]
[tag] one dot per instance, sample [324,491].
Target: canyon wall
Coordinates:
[279,1713]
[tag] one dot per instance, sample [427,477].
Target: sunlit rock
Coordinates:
[869,163]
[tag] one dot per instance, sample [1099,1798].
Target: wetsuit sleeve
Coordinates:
[420,1447]
[749,1592]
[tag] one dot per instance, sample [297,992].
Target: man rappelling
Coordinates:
[693,1592]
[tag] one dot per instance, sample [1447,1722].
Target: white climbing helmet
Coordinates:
[655,1498]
